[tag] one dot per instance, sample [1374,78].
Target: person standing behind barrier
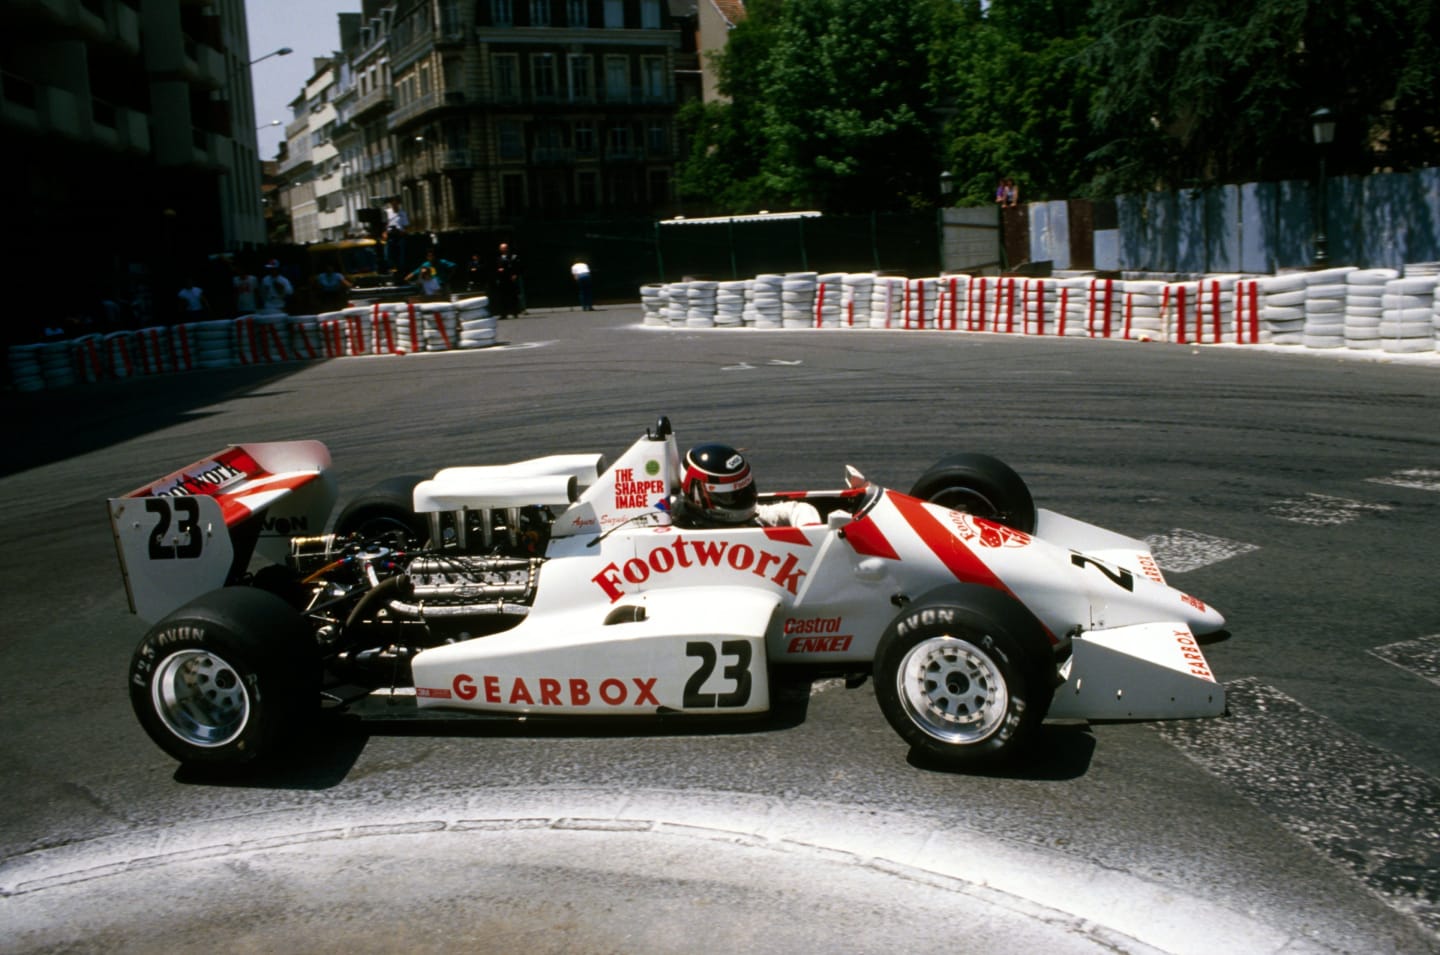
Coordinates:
[475,277]
[431,275]
[1007,194]
[580,272]
[194,307]
[331,288]
[246,288]
[397,223]
[506,289]
[275,289]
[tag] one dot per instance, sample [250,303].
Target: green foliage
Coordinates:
[852,105]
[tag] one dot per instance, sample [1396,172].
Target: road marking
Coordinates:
[1420,657]
[1180,550]
[743,366]
[1350,801]
[1322,510]
[1420,479]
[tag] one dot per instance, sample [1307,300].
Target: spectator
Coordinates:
[331,288]
[505,292]
[194,307]
[475,274]
[1007,193]
[431,275]
[275,289]
[580,272]
[397,223]
[246,288]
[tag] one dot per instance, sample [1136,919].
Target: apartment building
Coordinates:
[134,128]
[478,113]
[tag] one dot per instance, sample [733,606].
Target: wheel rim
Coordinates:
[952,690]
[201,698]
[968,500]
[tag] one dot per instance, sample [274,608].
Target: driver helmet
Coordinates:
[717,484]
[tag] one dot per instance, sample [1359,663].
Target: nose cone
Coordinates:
[1201,617]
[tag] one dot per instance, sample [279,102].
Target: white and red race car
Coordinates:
[561,587]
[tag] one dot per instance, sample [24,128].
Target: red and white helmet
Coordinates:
[717,484]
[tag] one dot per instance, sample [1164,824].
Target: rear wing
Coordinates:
[198,528]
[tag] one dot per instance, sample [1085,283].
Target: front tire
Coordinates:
[385,513]
[226,680]
[981,485]
[964,675]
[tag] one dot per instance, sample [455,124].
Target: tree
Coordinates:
[1019,90]
[1211,91]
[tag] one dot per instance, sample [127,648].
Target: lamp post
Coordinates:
[1322,127]
[283,51]
[947,189]
[273,122]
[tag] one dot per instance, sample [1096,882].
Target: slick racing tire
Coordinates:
[385,513]
[981,485]
[226,681]
[965,675]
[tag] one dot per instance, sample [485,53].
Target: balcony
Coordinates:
[456,159]
[375,99]
[552,155]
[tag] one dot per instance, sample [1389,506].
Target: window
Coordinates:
[582,87]
[507,77]
[501,13]
[424,74]
[584,134]
[650,14]
[512,140]
[617,79]
[653,70]
[617,141]
[512,193]
[539,13]
[614,14]
[657,139]
[578,13]
[542,75]
[587,190]
[659,186]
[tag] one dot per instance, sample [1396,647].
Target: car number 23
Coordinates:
[732,658]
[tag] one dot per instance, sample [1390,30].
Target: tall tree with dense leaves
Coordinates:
[1017,86]
[1199,92]
[849,112]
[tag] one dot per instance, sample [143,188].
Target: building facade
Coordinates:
[476,114]
[134,126]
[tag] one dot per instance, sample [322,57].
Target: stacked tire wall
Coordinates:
[263,339]
[1391,310]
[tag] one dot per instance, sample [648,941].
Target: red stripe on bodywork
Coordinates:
[787,535]
[866,539]
[951,550]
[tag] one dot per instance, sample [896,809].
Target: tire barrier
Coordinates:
[1337,308]
[260,339]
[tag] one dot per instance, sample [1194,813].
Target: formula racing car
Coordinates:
[562,587]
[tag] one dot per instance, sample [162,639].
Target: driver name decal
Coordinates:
[782,570]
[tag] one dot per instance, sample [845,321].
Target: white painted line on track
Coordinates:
[1419,479]
[1352,802]
[1180,550]
[1322,510]
[1420,656]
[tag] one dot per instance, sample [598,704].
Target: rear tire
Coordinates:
[385,513]
[981,485]
[964,675]
[227,679]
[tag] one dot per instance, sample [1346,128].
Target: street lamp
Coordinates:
[273,122]
[283,51]
[1322,127]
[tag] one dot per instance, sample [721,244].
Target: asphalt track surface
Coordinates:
[1298,493]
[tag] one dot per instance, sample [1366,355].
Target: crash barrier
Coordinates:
[379,328]
[1379,309]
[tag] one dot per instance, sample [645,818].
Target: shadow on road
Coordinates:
[42,427]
